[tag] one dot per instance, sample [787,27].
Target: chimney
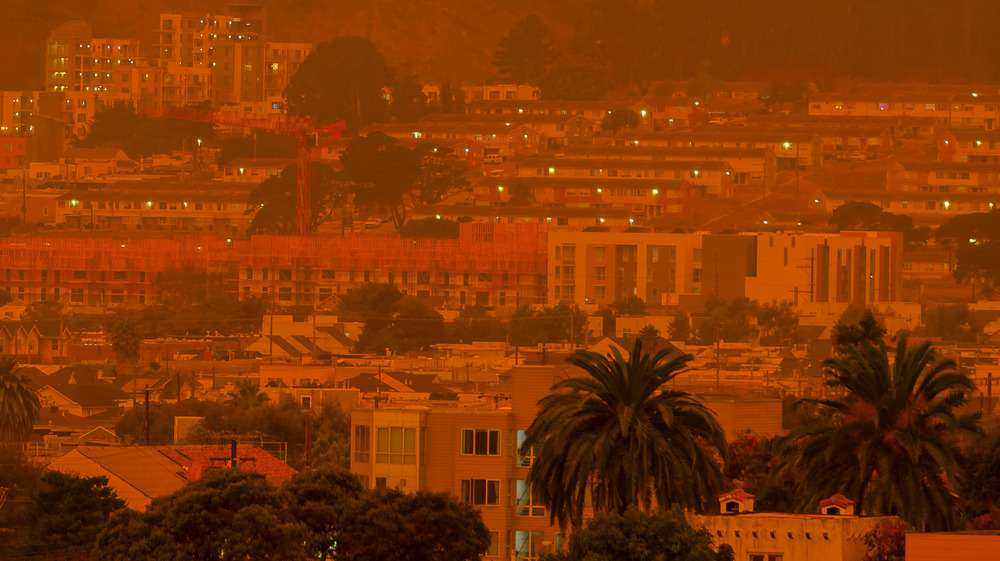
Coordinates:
[735,502]
[837,505]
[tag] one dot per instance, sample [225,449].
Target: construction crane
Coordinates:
[300,127]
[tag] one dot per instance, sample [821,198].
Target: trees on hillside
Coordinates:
[19,406]
[892,442]
[525,52]
[604,435]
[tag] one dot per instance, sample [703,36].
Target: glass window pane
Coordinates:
[492,492]
[468,440]
[383,440]
[494,442]
[396,439]
[410,441]
[481,444]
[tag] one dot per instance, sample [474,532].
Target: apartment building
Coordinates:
[751,166]
[470,451]
[470,141]
[791,147]
[75,60]
[927,208]
[600,267]
[547,218]
[968,146]
[497,92]
[956,108]
[707,178]
[554,130]
[493,265]
[943,178]
[862,268]
[12,151]
[157,206]
[641,199]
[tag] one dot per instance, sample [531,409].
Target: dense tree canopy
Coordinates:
[854,215]
[232,514]
[69,512]
[392,321]
[554,324]
[341,79]
[274,202]
[637,536]
[525,52]
[975,238]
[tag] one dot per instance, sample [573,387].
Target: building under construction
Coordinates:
[496,265]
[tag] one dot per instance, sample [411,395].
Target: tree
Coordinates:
[521,193]
[727,320]
[431,228]
[892,442]
[474,323]
[121,126]
[340,79]
[631,306]
[553,324]
[388,525]
[952,322]
[321,499]
[886,541]
[381,172]
[391,320]
[69,512]
[976,239]
[857,326]
[650,336]
[618,119]
[605,436]
[274,203]
[20,478]
[679,328]
[854,215]
[778,322]
[247,394]
[228,514]
[525,52]
[19,406]
[193,301]
[45,312]
[125,342]
[408,101]
[638,536]
[5,297]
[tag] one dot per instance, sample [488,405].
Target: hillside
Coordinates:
[433,39]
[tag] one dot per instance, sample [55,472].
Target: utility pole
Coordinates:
[718,361]
[147,415]
[309,430]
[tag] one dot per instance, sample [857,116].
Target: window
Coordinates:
[76,295]
[481,492]
[118,275]
[600,273]
[599,294]
[362,444]
[396,445]
[766,557]
[78,275]
[525,503]
[284,294]
[481,442]
[494,549]
[696,275]
[423,277]
[599,253]
[525,457]
[527,545]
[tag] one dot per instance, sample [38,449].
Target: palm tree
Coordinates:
[650,336]
[246,394]
[892,442]
[620,438]
[19,406]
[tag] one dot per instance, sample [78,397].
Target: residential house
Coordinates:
[254,170]
[792,148]
[34,341]
[154,206]
[92,163]
[707,178]
[140,474]
[83,399]
[969,145]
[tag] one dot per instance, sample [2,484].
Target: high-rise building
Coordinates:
[75,60]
